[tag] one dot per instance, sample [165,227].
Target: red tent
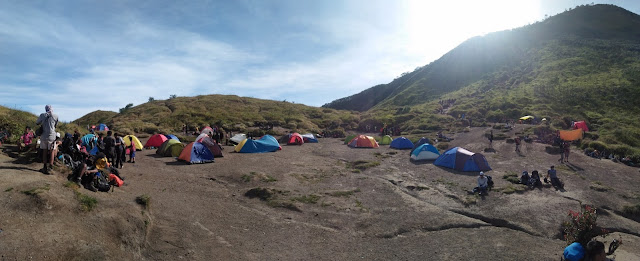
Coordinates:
[295,139]
[155,141]
[580,125]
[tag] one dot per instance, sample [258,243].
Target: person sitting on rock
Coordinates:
[534,181]
[555,181]
[524,178]
[483,184]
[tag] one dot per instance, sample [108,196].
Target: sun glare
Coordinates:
[441,25]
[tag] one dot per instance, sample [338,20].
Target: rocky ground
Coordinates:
[322,201]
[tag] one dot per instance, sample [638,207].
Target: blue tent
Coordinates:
[172,137]
[309,138]
[462,160]
[421,141]
[401,143]
[425,152]
[196,152]
[265,144]
[102,127]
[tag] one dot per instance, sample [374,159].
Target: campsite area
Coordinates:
[317,201]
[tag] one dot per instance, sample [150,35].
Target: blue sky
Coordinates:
[82,56]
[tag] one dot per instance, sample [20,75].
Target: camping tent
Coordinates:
[425,151]
[170,148]
[102,127]
[202,136]
[238,138]
[385,140]
[309,138]
[88,141]
[295,139]
[265,144]
[363,141]
[421,141]
[570,135]
[136,142]
[528,117]
[207,130]
[155,141]
[580,125]
[213,146]
[463,160]
[171,136]
[349,138]
[196,152]
[401,143]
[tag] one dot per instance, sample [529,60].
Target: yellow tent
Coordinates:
[526,117]
[570,135]
[136,142]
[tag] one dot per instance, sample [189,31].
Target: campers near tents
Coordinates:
[401,143]
[462,160]
[265,144]
[136,142]
[170,148]
[196,152]
[363,141]
[155,141]
[425,151]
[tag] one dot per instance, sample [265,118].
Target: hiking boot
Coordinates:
[92,188]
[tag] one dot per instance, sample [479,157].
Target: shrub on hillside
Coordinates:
[597,145]
[582,226]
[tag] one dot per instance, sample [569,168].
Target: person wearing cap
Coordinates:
[524,179]
[49,122]
[54,146]
[483,183]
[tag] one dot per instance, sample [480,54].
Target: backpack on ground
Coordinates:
[489,182]
[101,182]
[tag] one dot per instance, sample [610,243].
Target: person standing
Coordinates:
[491,139]
[132,150]
[110,147]
[119,157]
[49,122]
[566,150]
[517,140]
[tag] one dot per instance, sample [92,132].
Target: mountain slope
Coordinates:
[583,64]
[480,56]
[229,111]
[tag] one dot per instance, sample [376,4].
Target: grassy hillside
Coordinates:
[229,111]
[583,64]
[95,118]
[15,121]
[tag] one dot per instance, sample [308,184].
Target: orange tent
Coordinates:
[363,141]
[570,135]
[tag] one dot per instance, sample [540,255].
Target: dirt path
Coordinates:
[319,208]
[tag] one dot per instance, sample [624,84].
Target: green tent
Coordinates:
[170,148]
[349,138]
[386,140]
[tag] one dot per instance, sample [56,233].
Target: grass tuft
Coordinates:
[144,200]
[36,191]
[597,186]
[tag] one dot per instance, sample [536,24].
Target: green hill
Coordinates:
[15,121]
[583,64]
[228,111]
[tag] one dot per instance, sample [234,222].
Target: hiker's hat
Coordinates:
[481,173]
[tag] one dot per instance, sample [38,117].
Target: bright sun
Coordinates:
[442,25]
